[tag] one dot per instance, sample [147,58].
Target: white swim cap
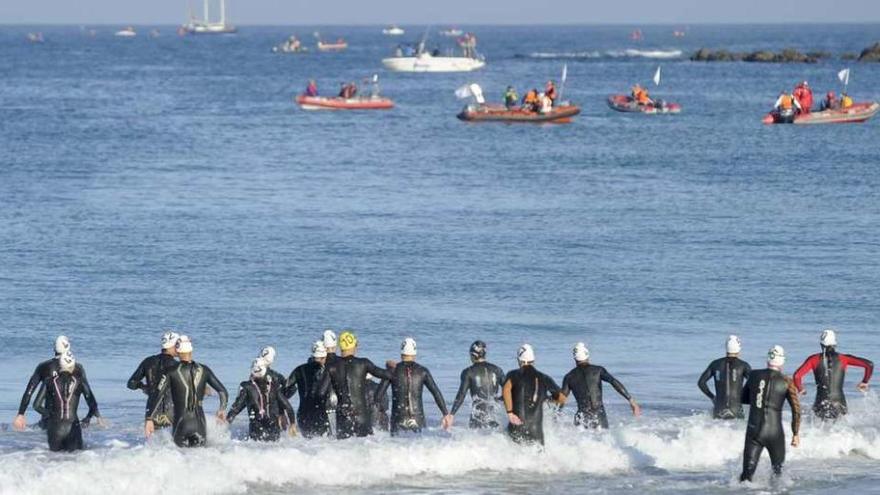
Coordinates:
[62,345]
[67,362]
[169,340]
[525,354]
[734,345]
[580,352]
[268,353]
[776,356]
[318,350]
[184,345]
[259,368]
[329,339]
[408,347]
[828,338]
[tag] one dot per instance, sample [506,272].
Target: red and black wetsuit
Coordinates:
[766,391]
[829,370]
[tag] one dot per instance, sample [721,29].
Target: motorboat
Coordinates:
[339,103]
[393,31]
[335,46]
[624,103]
[421,60]
[451,32]
[561,114]
[857,113]
[128,32]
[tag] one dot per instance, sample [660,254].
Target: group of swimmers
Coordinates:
[352,391]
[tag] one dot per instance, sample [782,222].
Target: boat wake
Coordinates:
[627,53]
[651,446]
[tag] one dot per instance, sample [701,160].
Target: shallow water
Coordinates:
[149,183]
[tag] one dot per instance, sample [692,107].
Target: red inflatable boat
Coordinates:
[497,113]
[337,103]
[623,103]
[859,112]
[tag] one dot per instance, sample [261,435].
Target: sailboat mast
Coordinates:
[223,12]
[207,16]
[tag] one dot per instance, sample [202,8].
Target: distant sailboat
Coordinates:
[204,25]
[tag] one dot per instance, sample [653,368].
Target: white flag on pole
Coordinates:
[471,90]
[564,73]
[464,92]
[844,76]
[657,76]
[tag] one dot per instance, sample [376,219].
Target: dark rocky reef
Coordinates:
[788,55]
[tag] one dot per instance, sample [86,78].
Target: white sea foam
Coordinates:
[689,444]
[626,53]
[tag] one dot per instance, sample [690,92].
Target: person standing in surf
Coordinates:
[187,381]
[305,379]
[765,392]
[482,381]
[43,371]
[525,390]
[729,374]
[585,382]
[267,407]
[58,401]
[829,371]
[146,377]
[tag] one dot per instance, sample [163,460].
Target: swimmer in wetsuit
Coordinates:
[146,378]
[408,379]
[44,370]
[829,370]
[187,381]
[58,401]
[482,380]
[330,343]
[266,404]
[766,391]
[585,381]
[729,374]
[524,391]
[305,379]
[378,404]
[347,376]
[267,354]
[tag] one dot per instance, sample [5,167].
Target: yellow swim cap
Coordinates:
[347,341]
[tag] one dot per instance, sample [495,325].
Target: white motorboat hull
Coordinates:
[209,29]
[432,64]
[125,34]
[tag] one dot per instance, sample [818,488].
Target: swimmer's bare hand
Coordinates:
[221,417]
[149,427]
[101,422]
[802,391]
[514,419]
[637,410]
[20,422]
[795,441]
[446,422]
[292,431]
[863,387]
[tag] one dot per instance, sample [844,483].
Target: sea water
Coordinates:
[155,183]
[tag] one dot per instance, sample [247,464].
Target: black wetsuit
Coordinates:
[279,379]
[729,374]
[408,379]
[347,376]
[187,381]
[146,377]
[482,381]
[378,405]
[43,371]
[58,401]
[585,382]
[312,413]
[766,391]
[529,388]
[266,403]
[829,370]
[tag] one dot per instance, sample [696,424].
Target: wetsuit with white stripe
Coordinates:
[187,381]
[43,371]
[766,391]
[58,401]
[146,377]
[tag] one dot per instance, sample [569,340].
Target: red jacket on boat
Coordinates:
[804,96]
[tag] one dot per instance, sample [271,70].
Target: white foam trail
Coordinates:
[628,53]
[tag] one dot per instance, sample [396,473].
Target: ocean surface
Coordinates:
[154,183]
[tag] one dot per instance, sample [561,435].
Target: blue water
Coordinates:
[163,182]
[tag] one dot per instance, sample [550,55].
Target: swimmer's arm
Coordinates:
[291,385]
[137,378]
[858,362]
[566,389]
[221,390]
[805,368]
[746,396]
[606,377]
[237,406]
[702,383]
[287,409]
[35,380]
[462,390]
[153,400]
[324,385]
[90,399]
[40,401]
[435,391]
[376,371]
[795,403]
[552,388]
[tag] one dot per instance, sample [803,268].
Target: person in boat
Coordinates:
[545,103]
[312,88]
[550,91]
[435,52]
[398,52]
[829,370]
[786,103]
[845,101]
[510,98]
[831,102]
[804,95]
[530,100]
[640,96]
